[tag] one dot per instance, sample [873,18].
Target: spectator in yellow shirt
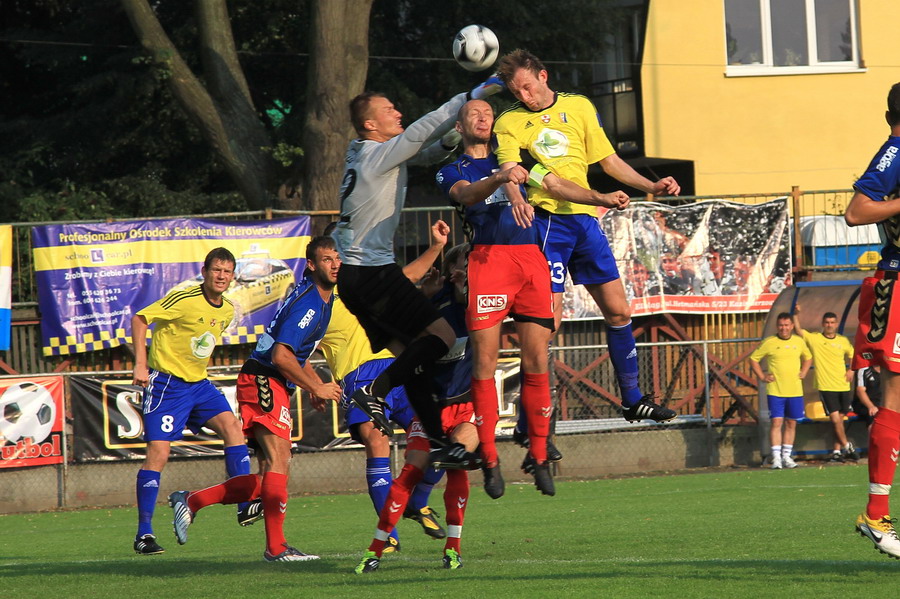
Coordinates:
[832,354]
[788,360]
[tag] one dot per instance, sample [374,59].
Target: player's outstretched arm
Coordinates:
[286,362]
[796,319]
[622,172]
[419,267]
[468,193]
[563,189]
[863,210]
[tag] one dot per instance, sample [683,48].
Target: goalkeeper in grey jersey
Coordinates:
[393,312]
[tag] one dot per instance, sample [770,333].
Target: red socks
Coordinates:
[484,398]
[274,497]
[236,489]
[456,497]
[395,504]
[884,444]
[537,407]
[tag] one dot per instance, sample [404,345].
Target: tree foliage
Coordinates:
[91,126]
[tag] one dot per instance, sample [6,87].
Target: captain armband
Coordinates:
[536,175]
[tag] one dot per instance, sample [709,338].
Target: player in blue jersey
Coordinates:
[264,388]
[563,133]
[188,323]
[450,390]
[507,276]
[875,201]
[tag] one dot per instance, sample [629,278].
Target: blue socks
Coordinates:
[379,479]
[623,354]
[237,462]
[147,490]
[419,497]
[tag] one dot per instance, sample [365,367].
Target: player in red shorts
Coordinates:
[450,387]
[874,201]
[265,384]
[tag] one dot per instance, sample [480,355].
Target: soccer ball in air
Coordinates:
[475,48]
[26,410]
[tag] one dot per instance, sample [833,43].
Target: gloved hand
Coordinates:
[451,139]
[492,85]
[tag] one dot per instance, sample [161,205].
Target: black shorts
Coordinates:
[836,401]
[386,303]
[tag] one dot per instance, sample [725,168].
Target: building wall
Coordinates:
[758,134]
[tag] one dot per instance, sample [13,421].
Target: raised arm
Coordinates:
[419,267]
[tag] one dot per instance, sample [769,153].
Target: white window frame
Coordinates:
[815,67]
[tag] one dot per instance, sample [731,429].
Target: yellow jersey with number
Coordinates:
[566,137]
[186,330]
[345,344]
[784,357]
[830,358]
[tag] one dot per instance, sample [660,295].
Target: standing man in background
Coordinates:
[788,360]
[832,354]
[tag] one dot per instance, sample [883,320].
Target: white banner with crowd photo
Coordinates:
[712,256]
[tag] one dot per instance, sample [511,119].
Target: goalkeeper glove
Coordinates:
[493,85]
[451,139]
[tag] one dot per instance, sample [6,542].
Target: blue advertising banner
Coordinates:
[93,277]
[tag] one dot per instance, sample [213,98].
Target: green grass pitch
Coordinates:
[739,533]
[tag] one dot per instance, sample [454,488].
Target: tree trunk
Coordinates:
[337,73]
[224,114]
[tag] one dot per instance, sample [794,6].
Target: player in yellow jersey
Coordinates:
[832,354]
[188,323]
[788,360]
[563,133]
[352,363]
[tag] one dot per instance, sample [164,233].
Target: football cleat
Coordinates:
[776,464]
[252,513]
[392,545]
[374,409]
[788,462]
[147,545]
[647,409]
[528,464]
[369,563]
[521,439]
[452,560]
[183,516]
[881,532]
[543,479]
[290,554]
[427,517]
[493,480]
[454,457]
[836,456]
[850,453]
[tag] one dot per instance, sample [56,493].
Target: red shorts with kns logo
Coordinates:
[265,401]
[878,334]
[451,417]
[508,280]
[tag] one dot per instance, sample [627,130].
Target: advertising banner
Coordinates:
[31,421]
[92,278]
[107,423]
[712,256]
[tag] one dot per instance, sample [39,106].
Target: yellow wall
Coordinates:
[765,133]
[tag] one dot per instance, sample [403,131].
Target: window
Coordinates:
[768,37]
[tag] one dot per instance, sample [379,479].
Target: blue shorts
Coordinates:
[171,405]
[786,407]
[575,243]
[398,408]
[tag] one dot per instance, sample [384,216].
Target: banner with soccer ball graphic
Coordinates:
[31,421]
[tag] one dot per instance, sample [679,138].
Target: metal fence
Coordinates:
[589,429]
